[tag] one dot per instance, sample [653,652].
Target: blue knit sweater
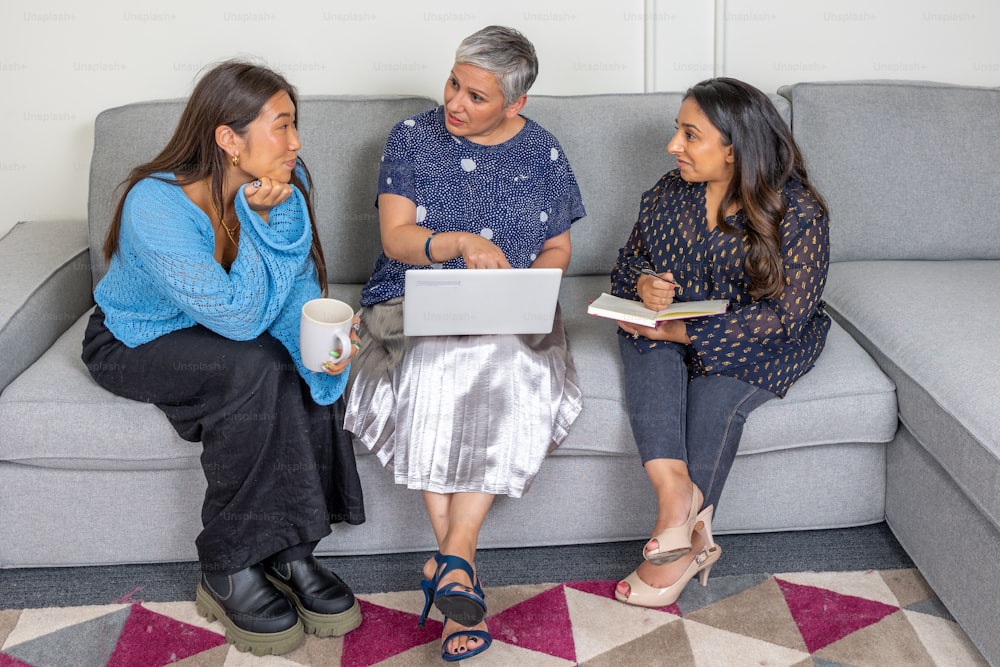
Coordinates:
[164,276]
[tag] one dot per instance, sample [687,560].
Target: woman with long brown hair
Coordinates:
[212,252]
[739,220]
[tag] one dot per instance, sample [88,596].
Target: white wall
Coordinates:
[62,62]
[775,42]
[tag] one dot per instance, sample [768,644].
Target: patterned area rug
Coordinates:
[824,619]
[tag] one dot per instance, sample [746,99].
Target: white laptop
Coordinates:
[447,302]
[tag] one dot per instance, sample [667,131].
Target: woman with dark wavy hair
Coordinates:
[737,219]
[212,252]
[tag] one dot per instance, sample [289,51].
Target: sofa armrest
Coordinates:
[47,286]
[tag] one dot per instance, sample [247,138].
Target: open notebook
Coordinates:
[616,308]
[445,302]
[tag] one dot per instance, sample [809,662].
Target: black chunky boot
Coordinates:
[325,604]
[258,618]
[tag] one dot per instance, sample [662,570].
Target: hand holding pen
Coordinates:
[657,293]
[646,271]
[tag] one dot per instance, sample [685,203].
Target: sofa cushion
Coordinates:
[933,327]
[845,398]
[94,429]
[54,415]
[342,141]
[908,168]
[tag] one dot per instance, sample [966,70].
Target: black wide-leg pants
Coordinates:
[280,468]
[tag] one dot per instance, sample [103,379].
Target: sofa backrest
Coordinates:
[616,144]
[909,169]
[617,147]
[342,141]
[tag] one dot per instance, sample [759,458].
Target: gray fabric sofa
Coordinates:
[910,172]
[89,478]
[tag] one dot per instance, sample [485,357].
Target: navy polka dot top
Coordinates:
[518,194]
[769,343]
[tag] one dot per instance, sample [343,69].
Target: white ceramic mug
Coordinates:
[325,328]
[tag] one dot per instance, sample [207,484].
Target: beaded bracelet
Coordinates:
[427,248]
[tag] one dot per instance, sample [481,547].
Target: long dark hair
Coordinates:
[766,157]
[231,93]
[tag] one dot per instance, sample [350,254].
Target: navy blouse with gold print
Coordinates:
[769,343]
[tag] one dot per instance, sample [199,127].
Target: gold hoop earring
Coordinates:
[235,159]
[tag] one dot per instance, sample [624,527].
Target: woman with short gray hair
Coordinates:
[471,184]
[504,53]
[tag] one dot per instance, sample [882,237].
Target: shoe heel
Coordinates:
[704,526]
[712,551]
[203,608]
[428,588]
[711,555]
[454,600]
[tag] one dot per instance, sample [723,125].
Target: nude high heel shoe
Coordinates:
[675,541]
[643,595]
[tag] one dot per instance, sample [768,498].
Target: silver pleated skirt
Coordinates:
[460,413]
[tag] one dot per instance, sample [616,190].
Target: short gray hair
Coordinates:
[505,53]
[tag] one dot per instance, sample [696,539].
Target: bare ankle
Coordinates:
[674,505]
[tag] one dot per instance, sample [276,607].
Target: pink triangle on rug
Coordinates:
[384,633]
[824,616]
[8,661]
[152,640]
[540,623]
[604,589]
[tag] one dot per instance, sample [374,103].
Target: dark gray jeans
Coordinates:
[698,420]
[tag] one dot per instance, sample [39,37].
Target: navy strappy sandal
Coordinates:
[456,601]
